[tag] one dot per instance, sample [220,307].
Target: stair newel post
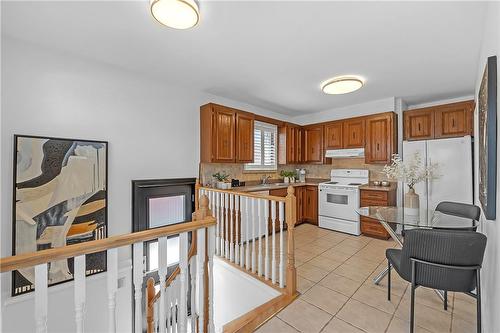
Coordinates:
[291,218]
[150,315]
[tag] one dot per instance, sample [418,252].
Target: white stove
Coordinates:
[339,199]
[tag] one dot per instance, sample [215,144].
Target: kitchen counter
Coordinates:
[272,186]
[370,187]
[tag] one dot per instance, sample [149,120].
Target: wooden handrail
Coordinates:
[245,194]
[40,257]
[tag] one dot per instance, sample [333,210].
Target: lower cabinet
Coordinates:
[371,227]
[307,203]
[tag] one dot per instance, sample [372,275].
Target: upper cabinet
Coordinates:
[290,144]
[244,137]
[381,138]
[313,144]
[226,134]
[333,135]
[441,121]
[354,133]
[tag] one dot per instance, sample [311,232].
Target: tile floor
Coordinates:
[335,274]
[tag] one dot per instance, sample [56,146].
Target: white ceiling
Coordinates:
[274,54]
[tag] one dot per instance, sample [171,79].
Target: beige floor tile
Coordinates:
[324,243]
[324,263]
[377,298]
[325,299]
[339,326]
[316,250]
[462,326]
[303,255]
[357,243]
[364,316]
[304,316]
[426,317]
[427,296]
[340,284]
[359,261]
[400,326]
[276,325]
[311,272]
[464,309]
[353,272]
[334,254]
[304,284]
[344,248]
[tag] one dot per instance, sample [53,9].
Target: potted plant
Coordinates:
[222,179]
[411,173]
[288,176]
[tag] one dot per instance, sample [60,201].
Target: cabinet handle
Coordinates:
[378,146]
[453,122]
[419,127]
[354,135]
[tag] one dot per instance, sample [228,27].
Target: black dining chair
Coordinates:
[459,209]
[439,259]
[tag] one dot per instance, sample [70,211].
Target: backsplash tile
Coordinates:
[237,171]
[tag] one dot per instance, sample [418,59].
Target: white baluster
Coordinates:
[138,269]
[168,308]
[41,300]
[112,283]
[175,297]
[162,273]
[273,263]
[259,221]
[79,277]
[255,216]
[248,208]
[200,280]
[192,274]
[231,227]
[226,226]
[216,201]
[211,250]
[282,262]
[222,215]
[266,230]
[237,236]
[183,277]
[155,317]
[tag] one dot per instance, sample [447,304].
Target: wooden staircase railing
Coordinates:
[203,225]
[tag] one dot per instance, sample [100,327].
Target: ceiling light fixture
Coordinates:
[341,85]
[177,14]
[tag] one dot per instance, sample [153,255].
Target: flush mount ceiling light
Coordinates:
[341,85]
[177,14]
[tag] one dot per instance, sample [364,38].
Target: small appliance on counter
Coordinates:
[339,200]
[237,183]
[301,174]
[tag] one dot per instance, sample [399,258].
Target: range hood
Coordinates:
[340,153]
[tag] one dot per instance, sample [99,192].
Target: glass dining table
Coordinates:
[397,219]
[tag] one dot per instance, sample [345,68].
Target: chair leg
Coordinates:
[412,300]
[388,280]
[478,301]
[445,301]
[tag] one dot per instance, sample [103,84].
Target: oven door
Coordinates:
[339,203]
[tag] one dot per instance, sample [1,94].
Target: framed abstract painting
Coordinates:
[60,198]
[487,108]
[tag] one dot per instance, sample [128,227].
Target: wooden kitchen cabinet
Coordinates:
[354,133]
[217,133]
[313,144]
[333,135]
[290,144]
[371,227]
[454,120]
[419,124]
[244,137]
[381,138]
[310,205]
[440,121]
[300,192]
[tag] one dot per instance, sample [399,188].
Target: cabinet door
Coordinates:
[313,144]
[244,138]
[381,138]
[311,204]
[224,134]
[299,138]
[299,194]
[419,124]
[454,120]
[291,145]
[354,133]
[333,135]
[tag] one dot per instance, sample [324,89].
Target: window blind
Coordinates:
[264,147]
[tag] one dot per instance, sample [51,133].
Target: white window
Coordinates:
[265,147]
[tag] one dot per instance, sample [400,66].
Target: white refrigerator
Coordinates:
[454,157]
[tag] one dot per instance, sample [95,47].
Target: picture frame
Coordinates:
[487,110]
[60,197]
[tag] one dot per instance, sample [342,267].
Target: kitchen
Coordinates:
[342,159]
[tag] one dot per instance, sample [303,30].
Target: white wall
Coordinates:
[378,106]
[152,130]
[491,267]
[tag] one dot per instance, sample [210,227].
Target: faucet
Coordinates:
[264,179]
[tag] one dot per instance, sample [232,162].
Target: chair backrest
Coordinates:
[459,209]
[454,248]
